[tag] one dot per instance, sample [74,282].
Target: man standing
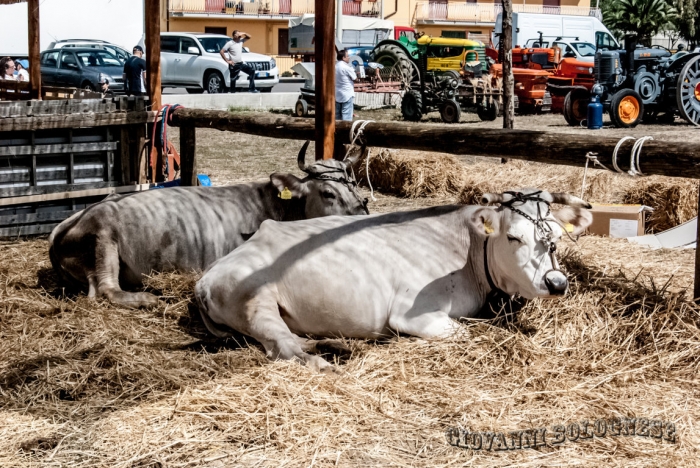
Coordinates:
[232,53]
[344,88]
[135,73]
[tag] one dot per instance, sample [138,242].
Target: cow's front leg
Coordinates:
[323,346]
[425,325]
[265,324]
[107,274]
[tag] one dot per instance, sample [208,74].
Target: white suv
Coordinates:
[193,61]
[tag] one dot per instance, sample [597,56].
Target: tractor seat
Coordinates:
[542,60]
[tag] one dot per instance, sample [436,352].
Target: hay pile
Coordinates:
[88,384]
[415,174]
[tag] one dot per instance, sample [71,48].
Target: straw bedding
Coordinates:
[87,384]
[416,174]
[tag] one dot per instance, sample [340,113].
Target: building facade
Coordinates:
[267,20]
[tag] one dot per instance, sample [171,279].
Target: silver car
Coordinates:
[192,61]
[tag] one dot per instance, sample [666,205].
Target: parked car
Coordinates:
[81,68]
[121,53]
[192,61]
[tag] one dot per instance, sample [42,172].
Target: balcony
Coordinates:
[485,13]
[266,8]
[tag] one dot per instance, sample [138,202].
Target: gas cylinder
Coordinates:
[595,113]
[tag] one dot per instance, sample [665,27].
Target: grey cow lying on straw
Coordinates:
[407,272]
[122,238]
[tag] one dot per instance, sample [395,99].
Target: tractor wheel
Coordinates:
[390,54]
[450,111]
[301,109]
[688,91]
[488,112]
[626,108]
[576,107]
[412,105]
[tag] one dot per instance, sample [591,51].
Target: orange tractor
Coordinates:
[570,87]
[531,69]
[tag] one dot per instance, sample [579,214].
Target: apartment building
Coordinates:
[267,20]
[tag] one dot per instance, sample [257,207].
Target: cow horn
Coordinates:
[565,199]
[302,156]
[491,198]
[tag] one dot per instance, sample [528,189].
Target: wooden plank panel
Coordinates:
[75,121]
[26,218]
[69,195]
[58,148]
[29,230]
[48,189]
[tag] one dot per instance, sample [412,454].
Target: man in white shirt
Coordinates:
[232,53]
[344,87]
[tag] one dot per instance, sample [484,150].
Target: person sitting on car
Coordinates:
[232,53]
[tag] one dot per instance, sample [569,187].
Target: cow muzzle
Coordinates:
[556,282]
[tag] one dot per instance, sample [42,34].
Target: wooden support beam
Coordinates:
[659,157]
[188,163]
[506,44]
[34,49]
[152,15]
[325,78]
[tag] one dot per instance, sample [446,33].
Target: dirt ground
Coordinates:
[85,383]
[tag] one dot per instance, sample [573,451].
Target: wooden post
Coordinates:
[507,47]
[325,78]
[152,15]
[33,49]
[188,164]
[696,289]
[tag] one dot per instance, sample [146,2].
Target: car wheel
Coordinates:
[87,86]
[214,83]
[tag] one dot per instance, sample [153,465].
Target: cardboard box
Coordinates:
[618,220]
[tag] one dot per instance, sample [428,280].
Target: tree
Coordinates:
[644,17]
[687,22]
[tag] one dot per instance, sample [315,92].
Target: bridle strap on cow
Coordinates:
[494,289]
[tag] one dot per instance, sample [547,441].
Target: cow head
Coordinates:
[522,234]
[328,189]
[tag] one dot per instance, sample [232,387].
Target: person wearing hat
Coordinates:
[21,69]
[135,73]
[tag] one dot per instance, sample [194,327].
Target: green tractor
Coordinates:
[442,74]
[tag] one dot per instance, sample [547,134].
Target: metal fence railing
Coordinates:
[487,12]
[269,7]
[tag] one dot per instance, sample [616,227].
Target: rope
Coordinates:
[636,152]
[590,156]
[355,136]
[617,148]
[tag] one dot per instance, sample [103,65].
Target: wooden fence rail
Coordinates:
[675,159]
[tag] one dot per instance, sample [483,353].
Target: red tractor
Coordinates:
[570,87]
[531,69]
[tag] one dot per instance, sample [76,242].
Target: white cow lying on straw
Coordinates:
[370,276]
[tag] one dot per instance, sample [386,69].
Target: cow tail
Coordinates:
[201,293]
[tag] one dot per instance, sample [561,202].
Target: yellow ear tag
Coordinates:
[568,227]
[285,194]
[487,227]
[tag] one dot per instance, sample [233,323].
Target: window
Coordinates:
[454,34]
[68,61]
[98,58]
[49,60]
[566,50]
[186,43]
[604,40]
[213,44]
[215,30]
[169,44]
[585,49]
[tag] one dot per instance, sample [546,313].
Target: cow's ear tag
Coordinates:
[285,194]
[487,227]
[568,227]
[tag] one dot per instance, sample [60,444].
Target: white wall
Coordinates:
[118,21]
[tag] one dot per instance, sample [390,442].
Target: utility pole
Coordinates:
[507,49]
